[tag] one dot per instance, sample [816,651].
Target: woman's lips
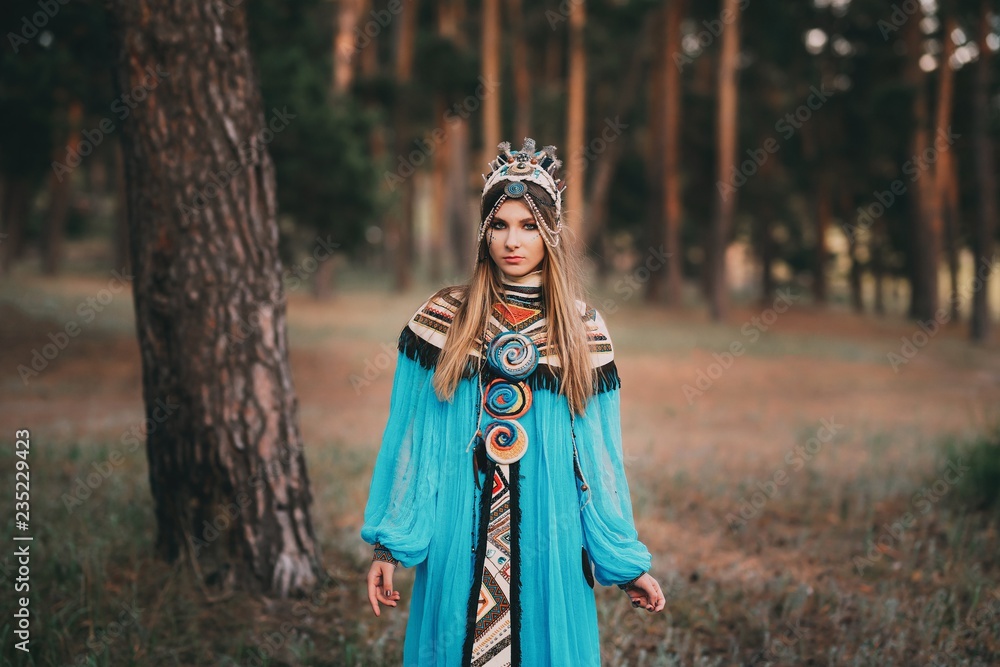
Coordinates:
[513,258]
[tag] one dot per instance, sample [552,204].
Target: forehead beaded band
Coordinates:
[516,168]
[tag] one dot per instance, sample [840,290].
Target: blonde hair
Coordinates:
[562,281]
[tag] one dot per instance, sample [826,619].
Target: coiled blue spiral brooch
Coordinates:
[513,356]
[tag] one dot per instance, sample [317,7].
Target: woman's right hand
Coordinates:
[380,585]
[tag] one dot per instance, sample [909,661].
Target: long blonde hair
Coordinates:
[562,281]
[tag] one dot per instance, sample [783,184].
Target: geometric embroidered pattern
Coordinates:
[491,646]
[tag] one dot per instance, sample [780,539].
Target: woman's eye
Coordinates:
[498,224]
[532,226]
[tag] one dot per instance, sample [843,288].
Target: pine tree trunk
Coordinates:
[522,74]
[60,192]
[226,462]
[857,269]
[952,232]
[924,245]
[491,72]
[673,104]
[982,236]
[15,210]
[400,227]
[576,104]
[726,127]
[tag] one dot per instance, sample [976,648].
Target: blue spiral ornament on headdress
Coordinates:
[515,189]
[506,440]
[512,355]
[507,400]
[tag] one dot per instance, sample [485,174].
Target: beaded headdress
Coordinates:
[527,164]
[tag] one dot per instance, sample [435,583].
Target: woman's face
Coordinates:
[515,241]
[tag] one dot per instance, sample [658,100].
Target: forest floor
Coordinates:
[760,494]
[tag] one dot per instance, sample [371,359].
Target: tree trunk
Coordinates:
[60,191]
[823,206]
[725,202]
[655,148]
[122,258]
[938,199]
[673,211]
[604,168]
[576,107]
[522,74]
[16,209]
[491,72]
[982,236]
[924,245]
[226,463]
[400,228]
[348,13]
[857,269]
[952,218]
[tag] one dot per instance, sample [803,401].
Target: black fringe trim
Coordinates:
[515,571]
[544,376]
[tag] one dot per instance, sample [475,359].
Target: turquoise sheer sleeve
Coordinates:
[399,515]
[609,532]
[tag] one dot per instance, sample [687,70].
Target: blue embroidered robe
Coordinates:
[424,501]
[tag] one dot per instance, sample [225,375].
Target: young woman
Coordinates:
[500,475]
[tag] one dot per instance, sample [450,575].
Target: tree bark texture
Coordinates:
[226,462]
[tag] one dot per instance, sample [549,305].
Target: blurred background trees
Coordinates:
[762,144]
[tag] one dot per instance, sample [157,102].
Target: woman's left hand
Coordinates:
[645,592]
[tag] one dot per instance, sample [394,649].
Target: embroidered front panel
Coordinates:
[491,645]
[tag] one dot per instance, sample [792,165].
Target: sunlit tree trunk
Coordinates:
[226,463]
[952,226]
[726,130]
[347,15]
[491,72]
[576,105]
[522,73]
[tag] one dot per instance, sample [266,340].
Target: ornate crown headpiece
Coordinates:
[526,164]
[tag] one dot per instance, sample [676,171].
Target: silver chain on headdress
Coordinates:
[527,164]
